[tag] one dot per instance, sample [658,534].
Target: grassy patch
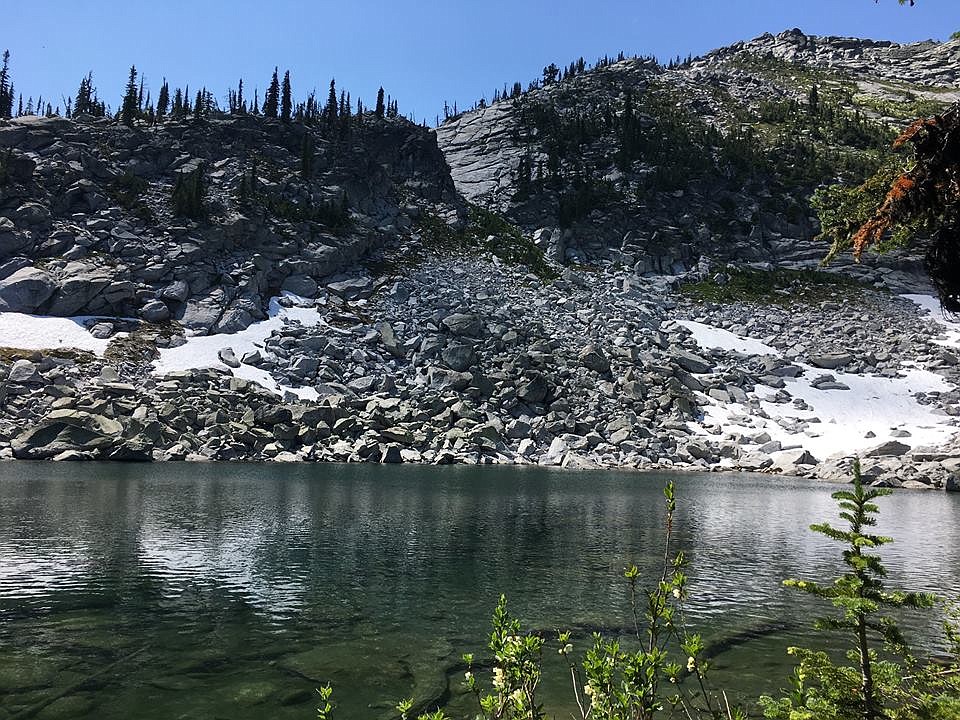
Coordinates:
[486,232]
[778,287]
[12,354]
[494,234]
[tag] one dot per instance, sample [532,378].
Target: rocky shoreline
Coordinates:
[467,360]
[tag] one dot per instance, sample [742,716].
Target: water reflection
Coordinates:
[251,566]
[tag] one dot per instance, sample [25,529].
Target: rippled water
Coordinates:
[234,590]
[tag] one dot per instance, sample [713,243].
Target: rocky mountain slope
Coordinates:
[544,280]
[718,155]
[89,223]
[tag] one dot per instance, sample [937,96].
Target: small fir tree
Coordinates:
[381,107]
[330,111]
[824,691]
[128,109]
[286,104]
[6,87]
[163,100]
[271,102]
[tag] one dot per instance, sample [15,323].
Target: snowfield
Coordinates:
[837,421]
[932,306]
[203,351]
[36,332]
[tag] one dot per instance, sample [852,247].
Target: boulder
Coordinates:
[31,213]
[64,430]
[458,356]
[891,448]
[534,390]
[389,340]
[391,455]
[302,285]
[593,359]
[691,363]
[24,372]
[831,361]
[155,311]
[26,290]
[228,358]
[467,324]
[80,284]
[792,459]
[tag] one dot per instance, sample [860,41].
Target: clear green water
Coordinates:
[233,591]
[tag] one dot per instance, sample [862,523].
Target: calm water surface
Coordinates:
[233,591]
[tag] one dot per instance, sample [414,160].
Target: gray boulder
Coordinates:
[301,285]
[155,311]
[79,286]
[64,430]
[458,356]
[228,358]
[691,363]
[467,324]
[31,213]
[26,290]
[534,390]
[831,361]
[24,372]
[891,448]
[593,359]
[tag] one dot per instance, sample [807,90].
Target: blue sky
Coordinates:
[423,52]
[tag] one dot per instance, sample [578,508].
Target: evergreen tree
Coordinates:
[84,99]
[188,193]
[241,107]
[286,105]
[306,156]
[330,111]
[6,87]
[860,596]
[255,107]
[178,104]
[128,110]
[163,100]
[199,105]
[813,101]
[271,102]
[381,108]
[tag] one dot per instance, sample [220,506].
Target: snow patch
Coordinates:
[876,405]
[709,336]
[872,404]
[935,312]
[41,332]
[202,351]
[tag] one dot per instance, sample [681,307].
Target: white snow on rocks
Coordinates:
[203,351]
[708,336]
[38,332]
[932,306]
[831,423]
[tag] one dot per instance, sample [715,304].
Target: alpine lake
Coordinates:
[235,590]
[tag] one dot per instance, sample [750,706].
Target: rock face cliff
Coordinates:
[88,222]
[718,155]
